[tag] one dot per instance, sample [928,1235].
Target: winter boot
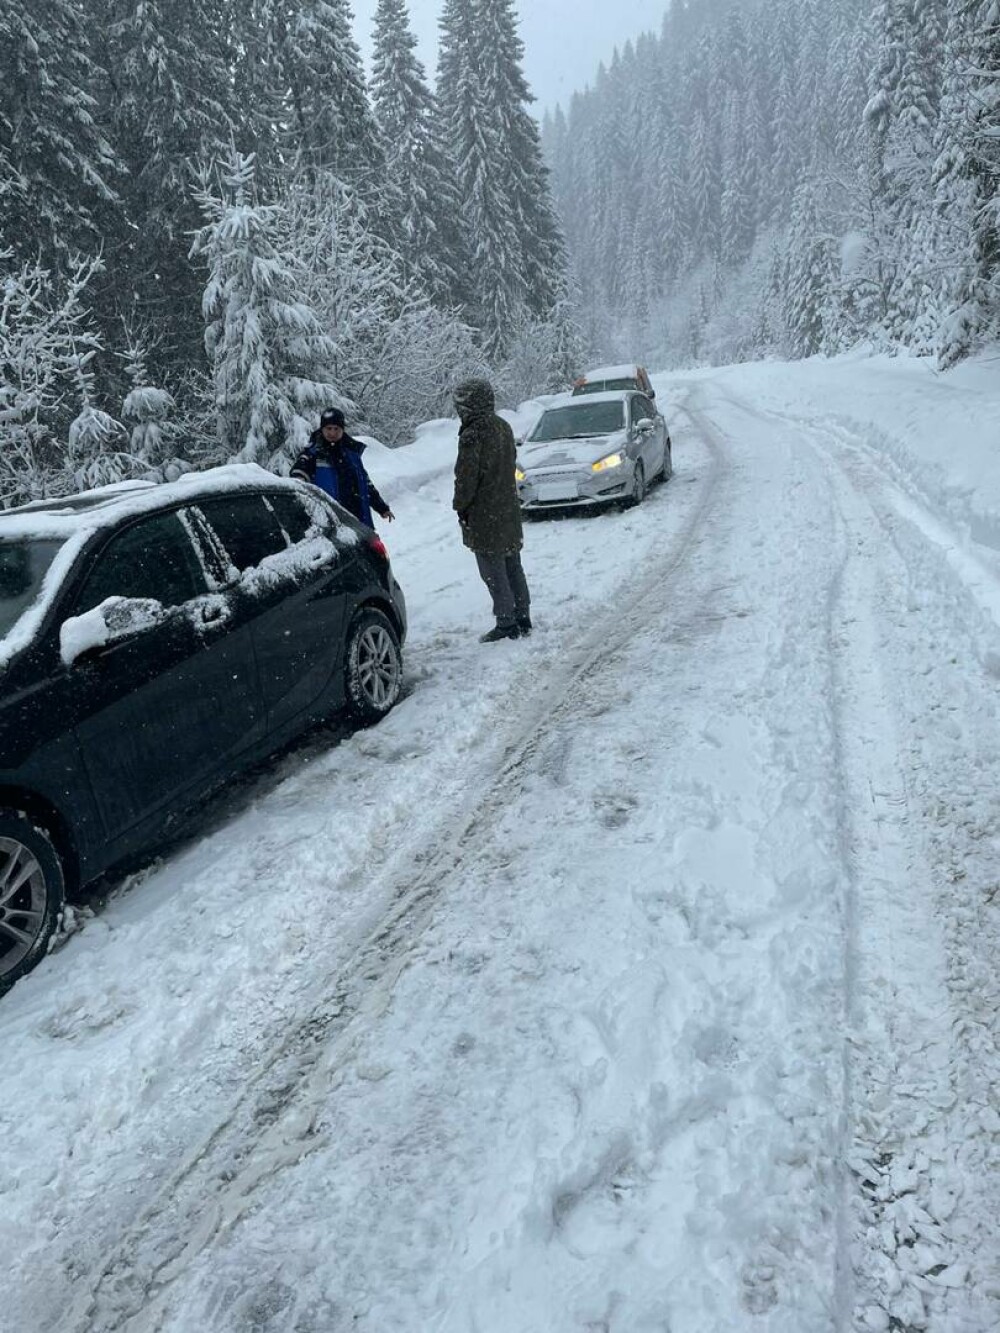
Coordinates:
[499,632]
[524,626]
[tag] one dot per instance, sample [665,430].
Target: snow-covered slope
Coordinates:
[641,975]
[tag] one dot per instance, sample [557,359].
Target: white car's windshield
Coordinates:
[23,563]
[579,422]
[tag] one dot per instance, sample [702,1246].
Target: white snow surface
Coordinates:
[619,372]
[638,976]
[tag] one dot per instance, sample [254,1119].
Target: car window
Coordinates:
[643,409]
[581,420]
[325,516]
[292,514]
[606,386]
[24,562]
[245,526]
[153,558]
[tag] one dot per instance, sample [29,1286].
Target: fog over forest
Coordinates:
[787,178]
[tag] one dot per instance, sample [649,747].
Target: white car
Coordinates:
[593,450]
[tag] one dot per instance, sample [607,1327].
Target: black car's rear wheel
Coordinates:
[374,665]
[31,895]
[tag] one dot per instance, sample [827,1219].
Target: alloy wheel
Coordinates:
[23,898]
[378,667]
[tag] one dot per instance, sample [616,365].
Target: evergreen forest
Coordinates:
[781,178]
[213,226]
[213,223]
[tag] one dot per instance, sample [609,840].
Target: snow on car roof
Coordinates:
[69,515]
[612,372]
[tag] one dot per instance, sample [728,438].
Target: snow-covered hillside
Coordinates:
[638,976]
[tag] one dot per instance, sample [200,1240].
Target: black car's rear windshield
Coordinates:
[24,562]
[581,420]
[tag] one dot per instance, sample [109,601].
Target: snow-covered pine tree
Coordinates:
[165,105]
[949,228]
[329,125]
[146,408]
[972,115]
[258,103]
[737,221]
[850,90]
[57,171]
[787,157]
[506,99]
[667,187]
[430,238]
[702,187]
[43,329]
[272,361]
[483,179]
[921,293]
[807,284]
[96,444]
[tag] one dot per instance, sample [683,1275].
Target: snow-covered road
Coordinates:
[641,976]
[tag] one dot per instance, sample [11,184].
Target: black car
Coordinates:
[154,641]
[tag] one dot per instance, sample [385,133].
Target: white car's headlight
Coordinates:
[612,460]
[518,474]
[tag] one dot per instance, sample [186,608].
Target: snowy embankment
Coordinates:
[937,433]
[638,976]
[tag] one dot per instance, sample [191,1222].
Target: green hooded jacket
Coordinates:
[485,489]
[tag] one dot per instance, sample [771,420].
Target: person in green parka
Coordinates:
[488,508]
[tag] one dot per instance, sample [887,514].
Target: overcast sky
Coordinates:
[564,40]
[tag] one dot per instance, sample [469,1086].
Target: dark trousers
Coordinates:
[508,587]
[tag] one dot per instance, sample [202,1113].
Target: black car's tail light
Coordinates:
[376,544]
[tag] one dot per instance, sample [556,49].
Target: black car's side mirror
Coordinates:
[116,619]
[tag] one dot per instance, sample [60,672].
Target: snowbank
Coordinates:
[939,430]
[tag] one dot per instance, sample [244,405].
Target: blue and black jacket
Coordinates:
[338,470]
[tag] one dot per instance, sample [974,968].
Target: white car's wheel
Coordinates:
[638,486]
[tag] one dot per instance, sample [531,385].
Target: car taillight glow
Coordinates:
[377,545]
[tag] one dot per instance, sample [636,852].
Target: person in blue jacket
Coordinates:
[332,461]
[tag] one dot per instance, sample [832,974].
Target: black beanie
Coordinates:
[333,417]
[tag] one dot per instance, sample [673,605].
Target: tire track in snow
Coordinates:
[273,1122]
[897,1058]
[910,1260]
[919,1265]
